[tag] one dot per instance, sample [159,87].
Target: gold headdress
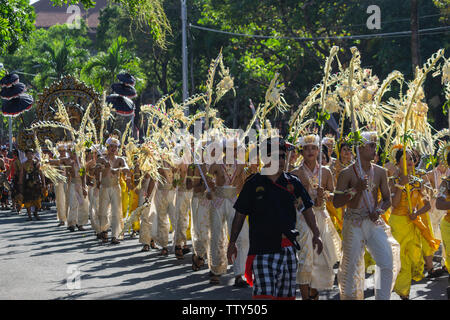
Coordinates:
[393,151]
[444,149]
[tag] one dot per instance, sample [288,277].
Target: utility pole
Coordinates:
[10,133]
[184,53]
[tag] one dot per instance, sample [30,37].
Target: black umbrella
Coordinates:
[126,78]
[14,91]
[124,90]
[122,105]
[17,106]
[9,80]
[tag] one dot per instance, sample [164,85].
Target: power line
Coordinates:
[353,37]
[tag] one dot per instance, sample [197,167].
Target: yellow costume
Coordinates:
[409,233]
[130,200]
[445,232]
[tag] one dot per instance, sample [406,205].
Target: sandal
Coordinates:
[197,262]
[433,273]
[314,296]
[114,240]
[145,248]
[179,253]
[104,236]
[152,244]
[214,279]
[186,250]
[164,252]
[240,283]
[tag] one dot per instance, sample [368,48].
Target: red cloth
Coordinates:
[249,263]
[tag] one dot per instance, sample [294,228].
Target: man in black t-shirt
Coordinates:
[269,201]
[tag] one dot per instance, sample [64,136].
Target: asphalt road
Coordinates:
[41,261]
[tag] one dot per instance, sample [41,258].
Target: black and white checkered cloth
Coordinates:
[275,274]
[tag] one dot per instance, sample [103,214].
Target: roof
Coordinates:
[48,15]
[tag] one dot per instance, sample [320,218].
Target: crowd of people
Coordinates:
[279,231]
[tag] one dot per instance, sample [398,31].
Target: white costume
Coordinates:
[182,209]
[93,196]
[165,208]
[435,214]
[147,216]
[62,201]
[316,270]
[78,212]
[222,212]
[359,232]
[200,226]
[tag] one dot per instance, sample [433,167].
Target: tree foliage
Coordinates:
[16,23]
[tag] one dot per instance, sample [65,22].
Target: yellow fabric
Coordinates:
[130,201]
[188,231]
[445,233]
[421,221]
[336,216]
[408,235]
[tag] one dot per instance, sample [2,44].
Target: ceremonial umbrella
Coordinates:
[17,106]
[122,105]
[124,90]
[12,91]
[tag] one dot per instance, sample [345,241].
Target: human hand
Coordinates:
[231,252]
[317,242]
[403,180]
[361,185]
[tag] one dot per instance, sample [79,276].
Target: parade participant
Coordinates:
[329,142]
[183,206]
[435,177]
[4,173]
[16,196]
[269,201]
[363,227]
[315,271]
[93,192]
[443,203]
[407,233]
[344,159]
[78,210]
[61,189]
[145,232]
[107,176]
[201,211]
[31,182]
[165,206]
[229,179]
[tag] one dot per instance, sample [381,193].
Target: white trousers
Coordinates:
[110,197]
[221,219]
[165,208]
[358,234]
[93,196]
[200,225]
[62,201]
[147,221]
[78,212]
[182,209]
[316,270]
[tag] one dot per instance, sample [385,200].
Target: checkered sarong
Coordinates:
[274,275]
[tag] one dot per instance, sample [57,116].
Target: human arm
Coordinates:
[236,227]
[441,202]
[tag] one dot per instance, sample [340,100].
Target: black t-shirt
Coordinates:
[271,209]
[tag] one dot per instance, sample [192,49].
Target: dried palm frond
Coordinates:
[134,217]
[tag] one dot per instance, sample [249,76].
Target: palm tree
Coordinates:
[104,67]
[60,58]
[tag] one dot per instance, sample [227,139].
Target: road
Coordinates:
[38,258]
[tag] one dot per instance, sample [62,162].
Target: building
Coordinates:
[47,15]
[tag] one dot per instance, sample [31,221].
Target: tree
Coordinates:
[60,58]
[102,69]
[16,23]
[146,14]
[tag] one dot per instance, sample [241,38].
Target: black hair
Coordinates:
[267,145]
[448,158]
[325,152]
[398,155]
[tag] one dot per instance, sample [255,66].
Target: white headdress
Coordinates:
[369,137]
[311,139]
[113,141]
